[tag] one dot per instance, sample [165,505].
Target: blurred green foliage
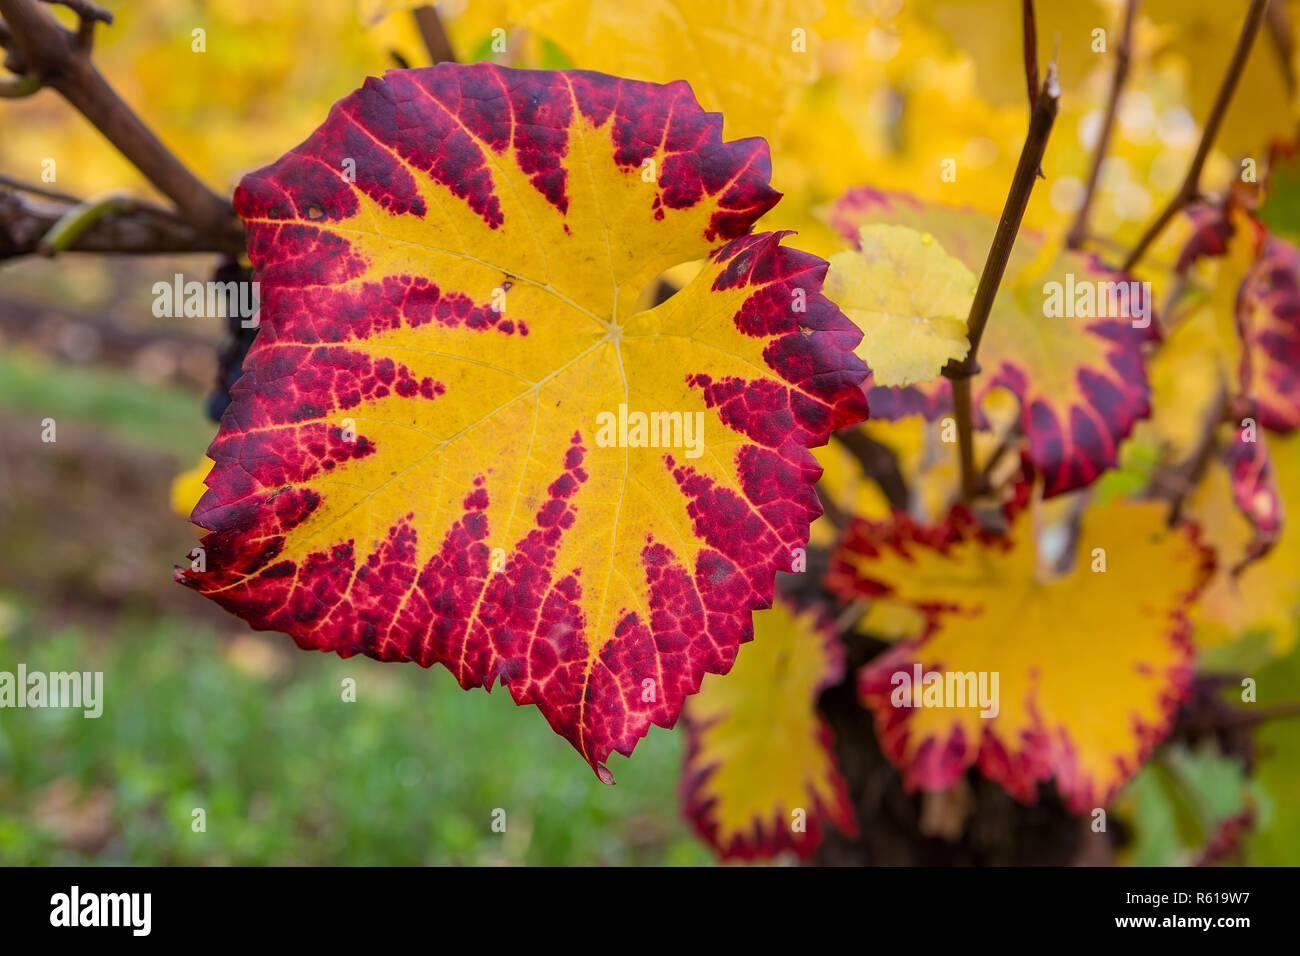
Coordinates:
[258,735]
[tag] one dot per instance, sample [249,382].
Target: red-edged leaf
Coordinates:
[425,458]
[1081,382]
[761,775]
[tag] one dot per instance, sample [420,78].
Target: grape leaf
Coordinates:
[433,454]
[962,231]
[1090,666]
[759,753]
[1081,380]
[909,297]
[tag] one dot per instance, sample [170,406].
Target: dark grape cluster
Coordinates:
[235,345]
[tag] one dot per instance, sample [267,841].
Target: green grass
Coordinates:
[156,417]
[287,772]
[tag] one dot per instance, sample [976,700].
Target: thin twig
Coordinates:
[1031,54]
[1279,31]
[18,87]
[1013,212]
[1248,716]
[961,406]
[1191,187]
[848,618]
[1123,56]
[88,14]
[1022,185]
[10,183]
[1004,446]
[77,221]
[52,53]
[434,35]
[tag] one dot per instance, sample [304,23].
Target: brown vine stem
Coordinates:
[1031,53]
[28,215]
[61,59]
[1190,190]
[879,463]
[1279,31]
[1251,716]
[1123,56]
[434,34]
[1022,185]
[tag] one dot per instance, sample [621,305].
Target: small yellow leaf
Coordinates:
[188,487]
[909,297]
[761,776]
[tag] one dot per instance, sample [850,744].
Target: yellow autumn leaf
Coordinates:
[761,775]
[909,297]
[188,487]
[747,59]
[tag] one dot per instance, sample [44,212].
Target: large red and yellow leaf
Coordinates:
[1080,376]
[761,776]
[1090,666]
[433,453]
